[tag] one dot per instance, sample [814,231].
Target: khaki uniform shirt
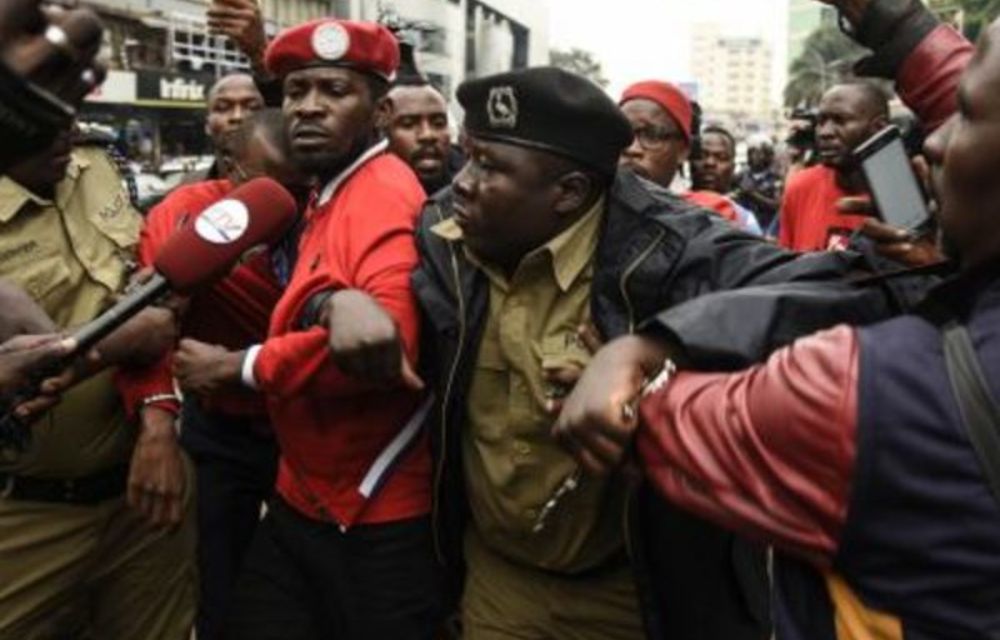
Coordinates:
[512,464]
[71,256]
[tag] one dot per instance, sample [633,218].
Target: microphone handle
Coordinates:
[96,330]
[14,433]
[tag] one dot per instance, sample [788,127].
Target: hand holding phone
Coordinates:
[897,194]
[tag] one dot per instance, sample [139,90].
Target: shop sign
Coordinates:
[118,88]
[173,90]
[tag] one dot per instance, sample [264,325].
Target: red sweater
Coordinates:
[232,313]
[810,220]
[927,83]
[349,453]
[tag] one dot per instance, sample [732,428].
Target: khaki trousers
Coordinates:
[505,601]
[95,571]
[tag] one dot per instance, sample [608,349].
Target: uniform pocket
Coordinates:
[41,278]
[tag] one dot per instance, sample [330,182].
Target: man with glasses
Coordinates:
[664,130]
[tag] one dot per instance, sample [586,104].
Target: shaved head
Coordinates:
[232,82]
[868,96]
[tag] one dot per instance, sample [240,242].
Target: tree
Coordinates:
[827,58]
[580,62]
[976,14]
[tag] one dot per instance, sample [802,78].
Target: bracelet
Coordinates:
[660,380]
[165,401]
[160,397]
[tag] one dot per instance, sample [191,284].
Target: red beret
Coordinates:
[365,46]
[668,96]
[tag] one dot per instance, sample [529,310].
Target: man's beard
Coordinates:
[433,184]
[323,163]
[328,163]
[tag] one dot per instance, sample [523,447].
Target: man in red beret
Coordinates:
[663,122]
[345,549]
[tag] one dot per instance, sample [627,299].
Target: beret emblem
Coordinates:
[501,107]
[331,41]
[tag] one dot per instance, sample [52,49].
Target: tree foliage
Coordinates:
[581,62]
[827,58]
[978,14]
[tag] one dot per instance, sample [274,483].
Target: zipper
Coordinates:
[623,282]
[623,288]
[446,400]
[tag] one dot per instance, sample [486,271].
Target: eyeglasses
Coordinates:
[653,138]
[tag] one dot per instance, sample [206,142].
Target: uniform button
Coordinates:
[531,514]
[523,448]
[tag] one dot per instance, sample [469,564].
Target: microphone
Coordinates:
[257,212]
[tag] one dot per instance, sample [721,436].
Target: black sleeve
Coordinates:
[892,29]
[761,297]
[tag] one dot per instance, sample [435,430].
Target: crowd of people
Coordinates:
[513,385]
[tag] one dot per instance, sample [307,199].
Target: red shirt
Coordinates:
[809,217]
[232,313]
[349,453]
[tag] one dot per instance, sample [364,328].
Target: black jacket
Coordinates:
[655,251]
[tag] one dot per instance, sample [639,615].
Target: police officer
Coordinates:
[539,235]
[76,559]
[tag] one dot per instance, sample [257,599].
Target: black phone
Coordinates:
[899,199]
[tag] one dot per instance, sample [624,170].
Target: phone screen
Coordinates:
[894,186]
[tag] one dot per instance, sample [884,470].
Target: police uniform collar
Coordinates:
[570,251]
[13,196]
[333,185]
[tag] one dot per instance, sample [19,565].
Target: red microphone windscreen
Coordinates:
[257,212]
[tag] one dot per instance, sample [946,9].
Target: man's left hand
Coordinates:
[156,476]
[204,369]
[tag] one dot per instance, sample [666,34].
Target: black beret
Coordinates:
[549,109]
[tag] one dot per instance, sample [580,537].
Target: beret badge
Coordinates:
[331,41]
[501,107]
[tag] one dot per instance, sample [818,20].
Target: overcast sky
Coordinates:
[641,39]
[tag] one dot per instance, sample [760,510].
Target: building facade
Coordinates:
[734,77]
[163,60]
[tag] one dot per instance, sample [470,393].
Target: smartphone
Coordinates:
[899,199]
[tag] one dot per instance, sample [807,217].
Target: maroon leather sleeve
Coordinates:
[767,451]
[928,79]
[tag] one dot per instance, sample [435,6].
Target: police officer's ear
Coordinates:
[575,192]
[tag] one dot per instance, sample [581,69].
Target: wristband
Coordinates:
[164,401]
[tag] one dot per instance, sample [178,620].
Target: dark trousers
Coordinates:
[308,580]
[708,584]
[235,465]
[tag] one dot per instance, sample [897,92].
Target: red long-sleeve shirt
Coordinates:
[349,453]
[233,313]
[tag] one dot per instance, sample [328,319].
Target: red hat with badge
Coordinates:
[365,46]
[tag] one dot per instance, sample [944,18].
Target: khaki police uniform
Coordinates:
[69,569]
[571,579]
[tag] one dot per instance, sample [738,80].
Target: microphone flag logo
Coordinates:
[223,223]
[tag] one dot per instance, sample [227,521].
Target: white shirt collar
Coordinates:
[331,187]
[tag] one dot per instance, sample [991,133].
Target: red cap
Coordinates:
[365,46]
[668,96]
